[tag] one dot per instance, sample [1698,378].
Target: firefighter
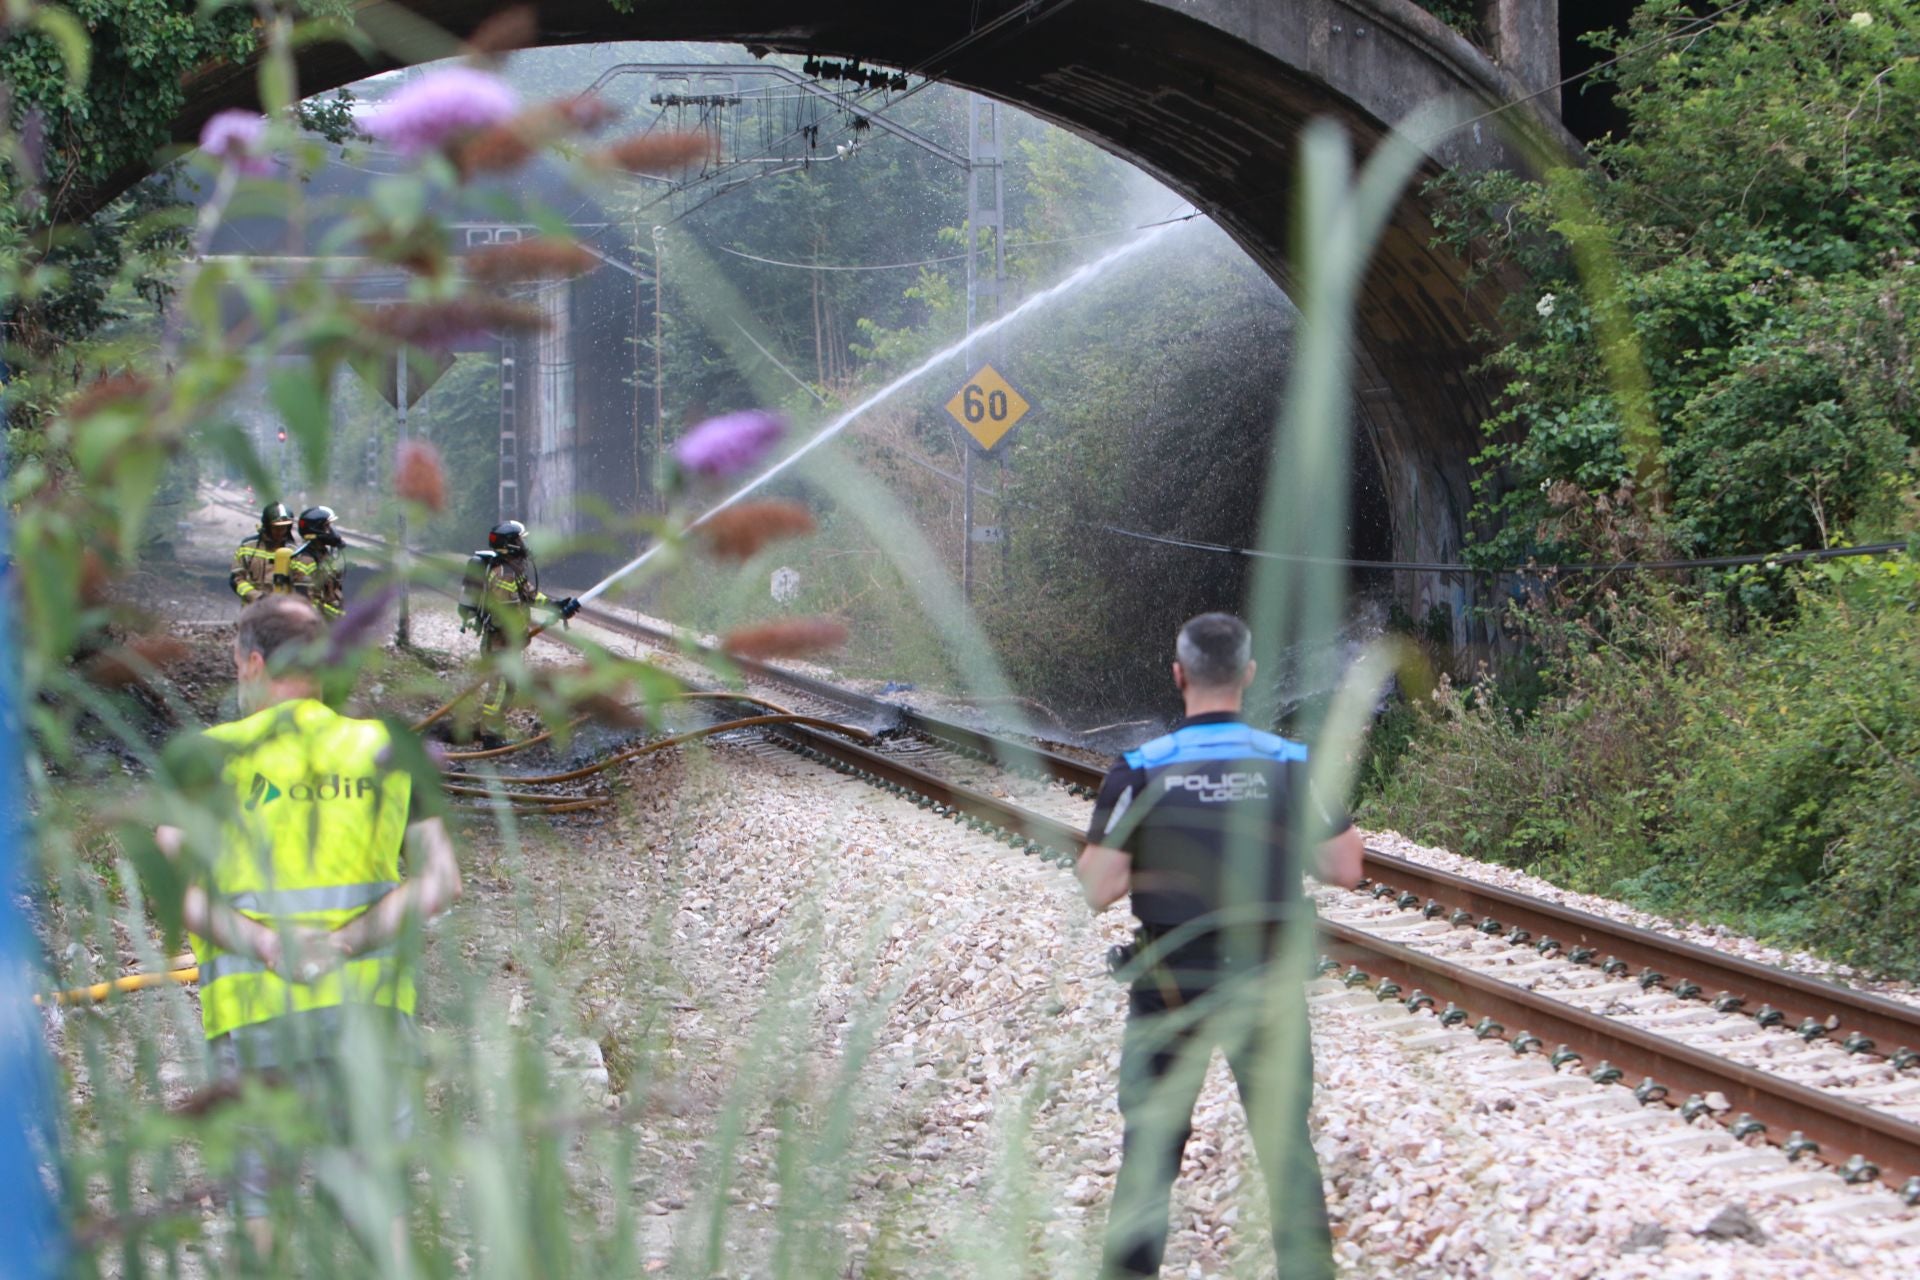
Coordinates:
[497,600]
[259,566]
[320,564]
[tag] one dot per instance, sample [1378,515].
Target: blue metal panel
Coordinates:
[28,1133]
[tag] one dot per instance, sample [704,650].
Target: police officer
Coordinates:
[501,589]
[259,569]
[1199,827]
[295,908]
[320,564]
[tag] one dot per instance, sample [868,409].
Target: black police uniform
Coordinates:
[1179,806]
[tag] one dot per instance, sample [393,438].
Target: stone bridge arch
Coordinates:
[1208,96]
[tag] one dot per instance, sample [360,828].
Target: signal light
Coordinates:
[283,436]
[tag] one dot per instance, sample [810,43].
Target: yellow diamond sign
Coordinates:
[987,405]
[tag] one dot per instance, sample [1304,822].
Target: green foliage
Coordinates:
[1766,778]
[1743,751]
[1462,15]
[79,132]
[510,1176]
[1760,213]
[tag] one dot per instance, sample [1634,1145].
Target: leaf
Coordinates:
[276,81]
[136,479]
[405,752]
[301,399]
[236,446]
[401,202]
[331,31]
[165,887]
[70,38]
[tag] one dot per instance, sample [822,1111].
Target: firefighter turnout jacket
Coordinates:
[500,592]
[260,570]
[320,817]
[320,576]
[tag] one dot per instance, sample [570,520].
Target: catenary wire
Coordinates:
[1529,570]
[1012,248]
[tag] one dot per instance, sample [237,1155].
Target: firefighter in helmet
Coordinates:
[320,564]
[263,565]
[502,588]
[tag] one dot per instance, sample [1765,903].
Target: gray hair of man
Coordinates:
[275,628]
[1214,650]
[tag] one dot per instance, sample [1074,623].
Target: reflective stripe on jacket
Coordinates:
[254,568]
[321,579]
[509,593]
[320,819]
[1208,821]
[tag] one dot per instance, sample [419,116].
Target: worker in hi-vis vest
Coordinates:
[297,915]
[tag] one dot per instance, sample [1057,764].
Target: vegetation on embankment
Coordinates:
[1719,359]
[1769,779]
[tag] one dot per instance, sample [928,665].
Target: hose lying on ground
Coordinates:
[691,695]
[99,991]
[568,804]
[514,797]
[661,743]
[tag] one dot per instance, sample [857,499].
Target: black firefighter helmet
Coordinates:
[509,538]
[316,526]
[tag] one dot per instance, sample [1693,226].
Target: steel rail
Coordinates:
[1782,1106]
[1888,1026]
[1800,999]
[986,746]
[1841,1128]
[1844,1130]
[1047,836]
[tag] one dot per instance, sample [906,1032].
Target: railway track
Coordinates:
[1821,1071]
[1827,1076]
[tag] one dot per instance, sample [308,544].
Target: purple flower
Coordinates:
[439,107]
[238,138]
[730,443]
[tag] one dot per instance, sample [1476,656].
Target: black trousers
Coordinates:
[1172,1029]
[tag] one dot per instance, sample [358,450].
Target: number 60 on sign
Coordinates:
[987,406]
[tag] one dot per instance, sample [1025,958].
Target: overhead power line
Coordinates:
[1520,571]
[826,266]
[1012,247]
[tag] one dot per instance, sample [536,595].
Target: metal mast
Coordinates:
[986,208]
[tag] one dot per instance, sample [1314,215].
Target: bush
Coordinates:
[1771,780]
[1802,801]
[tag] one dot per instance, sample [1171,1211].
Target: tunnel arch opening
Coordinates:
[1207,96]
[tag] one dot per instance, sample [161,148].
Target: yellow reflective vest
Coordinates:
[320,819]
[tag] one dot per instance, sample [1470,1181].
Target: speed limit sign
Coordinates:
[987,406]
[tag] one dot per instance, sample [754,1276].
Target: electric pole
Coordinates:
[402,630]
[659,367]
[986,207]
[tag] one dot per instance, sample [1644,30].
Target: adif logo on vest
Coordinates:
[263,792]
[1210,789]
[326,787]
